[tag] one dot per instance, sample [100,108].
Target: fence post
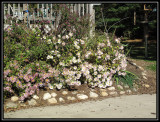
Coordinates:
[8,8]
[83,10]
[92,19]
[25,14]
[79,9]
[13,10]
[19,14]
[38,10]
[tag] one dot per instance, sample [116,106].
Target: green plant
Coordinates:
[128,79]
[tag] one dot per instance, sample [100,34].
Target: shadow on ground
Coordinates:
[137,49]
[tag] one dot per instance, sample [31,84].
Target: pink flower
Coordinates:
[22,98]
[47,80]
[13,79]
[26,78]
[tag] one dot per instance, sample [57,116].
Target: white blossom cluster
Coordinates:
[77,68]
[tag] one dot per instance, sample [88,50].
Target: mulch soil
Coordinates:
[84,89]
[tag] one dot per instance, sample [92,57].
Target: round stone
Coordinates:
[144,74]
[74,92]
[111,88]
[126,86]
[122,92]
[113,93]
[93,94]
[14,98]
[146,85]
[61,99]
[32,102]
[103,93]
[129,91]
[71,98]
[120,87]
[35,97]
[103,90]
[82,96]
[53,94]
[144,77]
[46,96]
[64,92]
[52,100]
[11,105]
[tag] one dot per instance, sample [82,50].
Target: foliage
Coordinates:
[114,13]
[35,59]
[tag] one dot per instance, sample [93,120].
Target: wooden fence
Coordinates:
[48,13]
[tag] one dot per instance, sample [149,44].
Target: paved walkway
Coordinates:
[132,106]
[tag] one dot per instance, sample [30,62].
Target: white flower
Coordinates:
[98,57]
[99,76]
[95,73]
[82,42]
[54,37]
[50,87]
[100,68]
[63,37]
[58,55]
[74,67]
[61,63]
[78,54]
[59,86]
[63,43]
[59,41]
[44,37]
[74,60]
[117,40]
[77,47]
[78,76]
[100,85]
[52,51]
[79,60]
[67,37]
[49,57]
[59,36]
[121,47]
[33,29]
[49,41]
[70,34]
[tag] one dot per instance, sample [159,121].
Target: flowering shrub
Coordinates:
[33,60]
[78,64]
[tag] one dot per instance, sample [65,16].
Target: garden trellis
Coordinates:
[48,13]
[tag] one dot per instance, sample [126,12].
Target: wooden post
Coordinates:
[38,10]
[42,10]
[19,12]
[9,9]
[92,19]
[86,8]
[83,10]
[25,14]
[75,8]
[13,10]
[134,18]
[47,11]
[79,9]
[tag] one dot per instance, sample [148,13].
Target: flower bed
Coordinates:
[34,60]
